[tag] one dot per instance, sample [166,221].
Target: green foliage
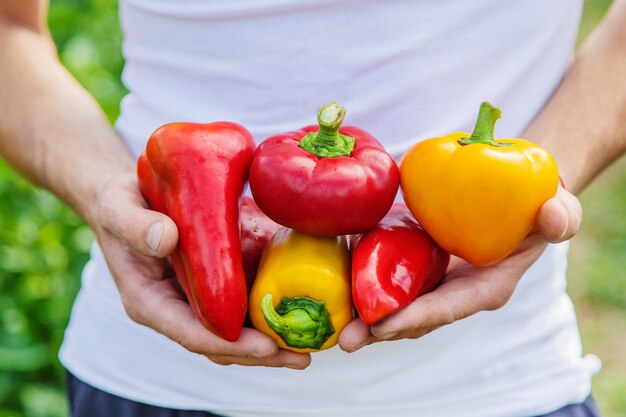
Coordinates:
[605,230]
[43,247]
[88,37]
[43,244]
[612,393]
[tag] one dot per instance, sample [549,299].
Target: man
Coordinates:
[405,71]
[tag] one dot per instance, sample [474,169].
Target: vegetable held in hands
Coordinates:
[301,295]
[325,181]
[195,173]
[393,264]
[256,231]
[477,196]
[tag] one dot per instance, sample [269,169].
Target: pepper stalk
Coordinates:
[327,141]
[484,128]
[301,322]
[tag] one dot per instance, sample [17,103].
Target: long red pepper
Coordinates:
[195,173]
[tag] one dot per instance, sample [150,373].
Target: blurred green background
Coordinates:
[43,245]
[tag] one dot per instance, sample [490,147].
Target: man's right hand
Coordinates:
[135,242]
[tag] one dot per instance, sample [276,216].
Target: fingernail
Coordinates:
[357,347]
[566,220]
[155,234]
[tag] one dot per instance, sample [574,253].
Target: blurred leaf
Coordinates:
[82,238]
[24,359]
[43,401]
[604,227]
[17,259]
[611,393]
[14,321]
[6,385]
[10,413]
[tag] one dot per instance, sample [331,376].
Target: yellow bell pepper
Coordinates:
[477,196]
[301,296]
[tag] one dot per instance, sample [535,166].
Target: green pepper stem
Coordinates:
[327,141]
[484,128]
[300,321]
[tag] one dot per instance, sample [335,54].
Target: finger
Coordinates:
[121,211]
[283,359]
[559,218]
[454,300]
[355,336]
[183,327]
[153,301]
[175,319]
[252,348]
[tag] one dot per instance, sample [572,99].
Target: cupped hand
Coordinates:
[135,242]
[467,289]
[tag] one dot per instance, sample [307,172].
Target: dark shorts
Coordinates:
[87,401]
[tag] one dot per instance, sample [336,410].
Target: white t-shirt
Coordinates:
[405,70]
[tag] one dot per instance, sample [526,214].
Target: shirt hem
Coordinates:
[252,411]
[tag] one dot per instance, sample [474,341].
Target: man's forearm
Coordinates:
[584,123]
[51,129]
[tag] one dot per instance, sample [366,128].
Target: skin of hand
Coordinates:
[135,241]
[467,289]
[79,160]
[54,133]
[584,137]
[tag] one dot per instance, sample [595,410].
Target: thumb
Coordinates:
[122,212]
[559,218]
[147,232]
[157,237]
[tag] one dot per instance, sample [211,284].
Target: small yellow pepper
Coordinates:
[477,196]
[301,296]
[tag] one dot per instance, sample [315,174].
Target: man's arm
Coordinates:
[54,132]
[51,129]
[584,123]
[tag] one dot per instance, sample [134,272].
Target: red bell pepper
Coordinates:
[256,231]
[324,181]
[393,264]
[195,173]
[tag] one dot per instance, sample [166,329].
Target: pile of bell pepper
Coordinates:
[322,235]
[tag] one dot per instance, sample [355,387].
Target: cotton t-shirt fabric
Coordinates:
[405,71]
[87,401]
